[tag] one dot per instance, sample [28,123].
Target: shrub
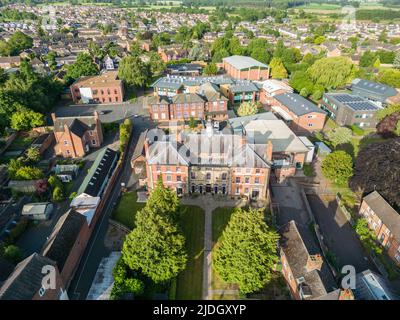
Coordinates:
[58,194]
[357,130]
[12,253]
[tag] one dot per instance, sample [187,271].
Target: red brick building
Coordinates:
[384,221]
[206,102]
[25,282]
[303,267]
[67,243]
[76,136]
[208,163]
[271,88]
[170,53]
[245,68]
[104,88]
[300,114]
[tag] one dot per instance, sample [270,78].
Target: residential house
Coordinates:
[38,210]
[10,62]
[104,88]
[25,282]
[172,52]
[245,68]
[302,115]
[384,221]
[99,173]
[67,243]
[75,136]
[348,109]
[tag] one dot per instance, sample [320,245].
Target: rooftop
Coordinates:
[297,104]
[352,101]
[385,212]
[106,79]
[243,62]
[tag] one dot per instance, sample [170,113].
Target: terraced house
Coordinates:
[178,100]
[384,221]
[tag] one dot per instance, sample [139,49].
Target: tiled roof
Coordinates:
[63,237]
[297,104]
[26,279]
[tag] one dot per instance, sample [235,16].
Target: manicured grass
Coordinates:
[220,220]
[126,209]
[189,284]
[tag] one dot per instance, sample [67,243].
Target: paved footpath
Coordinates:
[209,203]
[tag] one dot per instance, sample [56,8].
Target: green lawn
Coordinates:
[308,170]
[189,282]
[220,220]
[127,207]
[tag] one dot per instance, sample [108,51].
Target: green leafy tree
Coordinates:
[55,182]
[26,120]
[12,253]
[157,66]
[278,70]
[304,92]
[339,136]
[338,167]
[58,194]
[33,154]
[18,42]
[210,69]
[133,71]
[155,247]
[247,108]
[84,66]
[124,283]
[391,77]
[397,130]
[377,63]
[396,61]
[332,72]
[28,173]
[247,252]
[366,235]
[192,123]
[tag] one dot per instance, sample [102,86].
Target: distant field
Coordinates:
[328,8]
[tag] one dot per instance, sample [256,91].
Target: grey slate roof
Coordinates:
[77,125]
[176,82]
[243,62]
[63,237]
[187,98]
[26,279]
[98,172]
[243,86]
[297,104]
[385,212]
[352,101]
[298,245]
[373,90]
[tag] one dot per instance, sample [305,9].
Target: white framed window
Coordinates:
[94,142]
[91,133]
[65,142]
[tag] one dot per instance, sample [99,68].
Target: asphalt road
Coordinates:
[338,234]
[96,249]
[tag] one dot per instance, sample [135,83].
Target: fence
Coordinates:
[9,141]
[119,226]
